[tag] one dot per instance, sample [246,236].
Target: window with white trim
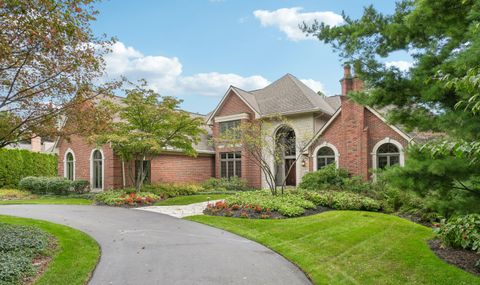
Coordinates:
[388,154]
[228,126]
[325,156]
[230,164]
[97,171]
[69,166]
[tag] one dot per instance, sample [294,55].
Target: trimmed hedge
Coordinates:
[53,185]
[16,164]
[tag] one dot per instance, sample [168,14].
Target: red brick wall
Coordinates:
[378,130]
[354,156]
[334,135]
[354,133]
[82,151]
[177,168]
[165,168]
[251,172]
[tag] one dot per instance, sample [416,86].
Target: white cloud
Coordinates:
[314,85]
[289,19]
[164,74]
[400,64]
[214,83]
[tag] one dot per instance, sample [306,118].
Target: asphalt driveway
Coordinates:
[140,247]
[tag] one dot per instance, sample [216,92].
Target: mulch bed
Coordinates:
[462,258]
[252,214]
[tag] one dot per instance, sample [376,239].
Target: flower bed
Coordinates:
[14,194]
[124,199]
[260,204]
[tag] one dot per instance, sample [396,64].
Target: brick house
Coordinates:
[330,129]
[78,159]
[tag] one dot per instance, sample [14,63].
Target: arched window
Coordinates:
[97,169]
[325,156]
[285,141]
[69,166]
[388,154]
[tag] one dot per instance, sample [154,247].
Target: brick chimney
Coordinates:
[354,127]
[36,143]
[349,82]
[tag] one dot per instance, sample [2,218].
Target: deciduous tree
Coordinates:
[265,149]
[49,60]
[148,125]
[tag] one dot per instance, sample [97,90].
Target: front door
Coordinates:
[292,176]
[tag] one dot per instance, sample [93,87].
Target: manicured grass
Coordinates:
[190,199]
[49,200]
[351,247]
[76,256]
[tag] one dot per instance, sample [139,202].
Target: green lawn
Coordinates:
[190,199]
[351,247]
[49,200]
[75,259]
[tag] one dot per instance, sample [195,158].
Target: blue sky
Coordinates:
[195,49]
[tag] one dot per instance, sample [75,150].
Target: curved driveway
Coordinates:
[140,247]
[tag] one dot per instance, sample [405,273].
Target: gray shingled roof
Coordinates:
[248,97]
[333,101]
[287,95]
[203,145]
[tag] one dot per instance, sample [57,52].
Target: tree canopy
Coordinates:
[440,91]
[146,125]
[49,60]
[442,38]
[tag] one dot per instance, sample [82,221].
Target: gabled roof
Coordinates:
[248,97]
[245,96]
[334,101]
[287,95]
[406,136]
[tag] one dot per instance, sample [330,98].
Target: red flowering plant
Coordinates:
[244,214]
[265,216]
[121,198]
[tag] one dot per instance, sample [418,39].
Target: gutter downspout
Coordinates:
[123,173]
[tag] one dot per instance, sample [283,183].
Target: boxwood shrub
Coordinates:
[53,185]
[225,184]
[167,190]
[341,200]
